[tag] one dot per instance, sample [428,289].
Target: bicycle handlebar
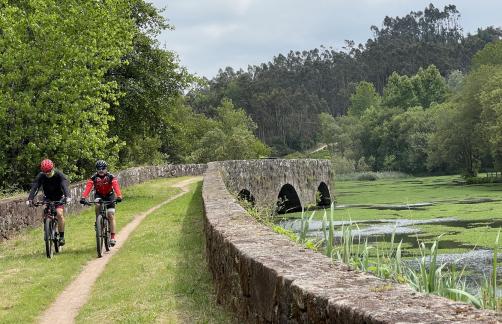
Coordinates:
[48,202]
[100,201]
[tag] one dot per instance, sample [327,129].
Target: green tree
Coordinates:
[152,82]
[455,142]
[491,54]
[406,138]
[429,86]
[328,127]
[399,92]
[54,99]
[230,137]
[364,97]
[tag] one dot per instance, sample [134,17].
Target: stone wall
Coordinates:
[265,178]
[15,215]
[265,278]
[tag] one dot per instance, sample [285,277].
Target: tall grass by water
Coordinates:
[430,276]
[385,261]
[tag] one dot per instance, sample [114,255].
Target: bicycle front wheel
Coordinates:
[106,233]
[55,237]
[99,235]
[48,228]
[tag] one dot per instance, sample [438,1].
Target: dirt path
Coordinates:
[67,305]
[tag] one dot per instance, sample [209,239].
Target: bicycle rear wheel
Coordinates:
[99,235]
[48,238]
[106,233]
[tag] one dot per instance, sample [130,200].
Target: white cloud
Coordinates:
[240,7]
[215,30]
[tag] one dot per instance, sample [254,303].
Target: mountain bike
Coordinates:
[51,235]
[102,225]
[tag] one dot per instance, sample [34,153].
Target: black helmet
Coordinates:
[101,165]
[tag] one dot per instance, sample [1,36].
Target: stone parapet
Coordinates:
[265,278]
[15,215]
[265,178]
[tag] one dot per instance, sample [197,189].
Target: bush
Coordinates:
[342,165]
[362,165]
[482,180]
[367,176]
[379,175]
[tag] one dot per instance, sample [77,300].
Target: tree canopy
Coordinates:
[406,61]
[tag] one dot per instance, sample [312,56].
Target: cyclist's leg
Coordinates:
[97,207]
[60,217]
[111,217]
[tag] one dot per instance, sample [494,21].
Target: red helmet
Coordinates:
[46,165]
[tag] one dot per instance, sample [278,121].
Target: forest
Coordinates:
[81,81]
[418,97]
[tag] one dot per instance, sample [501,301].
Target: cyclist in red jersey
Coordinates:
[106,187]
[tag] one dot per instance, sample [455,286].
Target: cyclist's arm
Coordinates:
[88,188]
[35,186]
[64,185]
[116,187]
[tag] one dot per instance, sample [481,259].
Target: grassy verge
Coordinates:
[29,281]
[160,275]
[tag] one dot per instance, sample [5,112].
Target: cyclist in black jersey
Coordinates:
[55,187]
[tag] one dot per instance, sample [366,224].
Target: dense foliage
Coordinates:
[54,100]
[81,81]
[285,96]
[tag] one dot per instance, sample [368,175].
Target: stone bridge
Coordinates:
[295,184]
[264,277]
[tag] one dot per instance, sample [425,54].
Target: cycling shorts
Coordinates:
[110,197]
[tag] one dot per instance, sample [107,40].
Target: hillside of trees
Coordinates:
[418,97]
[81,81]
[286,96]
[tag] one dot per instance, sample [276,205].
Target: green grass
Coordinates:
[29,281]
[160,275]
[442,191]
[412,190]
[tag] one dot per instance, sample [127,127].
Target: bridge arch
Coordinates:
[324,197]
[288,200]
[246,195]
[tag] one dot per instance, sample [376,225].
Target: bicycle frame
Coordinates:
[102,225]
[50,221]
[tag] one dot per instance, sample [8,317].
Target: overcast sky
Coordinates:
[210,35]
